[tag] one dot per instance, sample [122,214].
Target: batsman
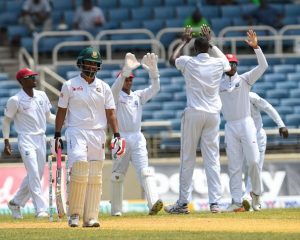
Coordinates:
[85,106]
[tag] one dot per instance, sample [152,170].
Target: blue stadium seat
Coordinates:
[171,88]
[297,109]
[4,93]
[292,120]
[109,81]
[163,115]
[50,130]
[147,115]
[274,101]
[8,18]
[151,106]
[169,72]
[176,124]
[162,97]
[219,23]
[138,81]
[131,24]
[230,11]
[17,30]
[180,96]
[13,6]
[129,4]
[295,93]
[286,85]
[152,3]
[165,81]
[104,74]
[3,76]
[178,80]
[210,12]
[181,12]
[260,92]
[141,13]
[284,68]
[290,20]
[289,102]
[174,105]
[141,73]
[274,77]
[9,84]
[293,77]
[178,22]
[154,25]
[268,122]
[109,4]
[172,3]
[163,12]
[291,9]
[238,21]
[263,86]
[170,144]
[278,93]
[284,110]
[62,5]
[118,14]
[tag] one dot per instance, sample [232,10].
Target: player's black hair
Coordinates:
[201,44]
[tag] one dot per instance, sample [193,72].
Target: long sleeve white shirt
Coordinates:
[259,105]
[129,107]
[234,91]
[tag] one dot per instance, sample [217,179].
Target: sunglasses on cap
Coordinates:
[30,77]
[233,64]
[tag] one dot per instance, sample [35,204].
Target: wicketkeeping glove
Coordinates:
[130,64]
[117,146]
[149,63]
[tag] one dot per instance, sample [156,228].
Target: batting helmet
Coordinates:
[89,54]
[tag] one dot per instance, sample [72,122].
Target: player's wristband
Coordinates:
[117,135]
[57,135]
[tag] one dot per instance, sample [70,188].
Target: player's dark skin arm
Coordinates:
[283,131]
[112,120]
[60,118]
[186,38]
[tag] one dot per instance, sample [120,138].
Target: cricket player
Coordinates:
[258,105]
[129,106]
[86,104]
[201,117]
[30,110]
[240,131]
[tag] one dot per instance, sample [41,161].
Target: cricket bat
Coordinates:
[59,194]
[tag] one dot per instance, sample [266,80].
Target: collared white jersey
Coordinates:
[130,107]
[29,113]
[86,103]
[258,105]
[234,91]
[202,76]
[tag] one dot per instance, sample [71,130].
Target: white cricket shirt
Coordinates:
[29,113]
[86,103]
[258,105]
[202,76]
[234,91]
[130,107]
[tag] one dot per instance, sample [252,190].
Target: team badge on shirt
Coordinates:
[237,85]
[98,89]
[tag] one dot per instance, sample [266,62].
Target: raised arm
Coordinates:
[130,64]
[186,38]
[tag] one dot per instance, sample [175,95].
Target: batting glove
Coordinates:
[149,63]
[117,146]
[130,64]
[58,143]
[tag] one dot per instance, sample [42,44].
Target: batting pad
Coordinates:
[77,190]
[93,191]
[149,186]
[116,195]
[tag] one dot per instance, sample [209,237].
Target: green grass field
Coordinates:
[267,224]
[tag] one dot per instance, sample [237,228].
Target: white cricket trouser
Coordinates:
[136,151]
[199,125]
[33,153]
[85,145]
[241,141]
[262,144]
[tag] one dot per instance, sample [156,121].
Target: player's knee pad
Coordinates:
[149,185]
[93,191]
[77,189]
[116,197]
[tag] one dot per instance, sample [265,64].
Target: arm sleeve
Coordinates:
[109,99]
[266,107]
[151,91]
[50,118]
[217,53]
[181,62]
[6,127]
[11,107]
[117,87]
[63,100]
[252,76]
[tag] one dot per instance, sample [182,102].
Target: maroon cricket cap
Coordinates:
[231,58]
[25,72]
[130,76]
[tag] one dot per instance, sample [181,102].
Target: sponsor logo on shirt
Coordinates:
[80,88]
[237,85]
[98,89]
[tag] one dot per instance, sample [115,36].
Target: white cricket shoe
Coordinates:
[74,221]
[15,210]
[158,205]
[42,214]
[177,208]
[235,208]
[117,214]
[255,202]
[92,223]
